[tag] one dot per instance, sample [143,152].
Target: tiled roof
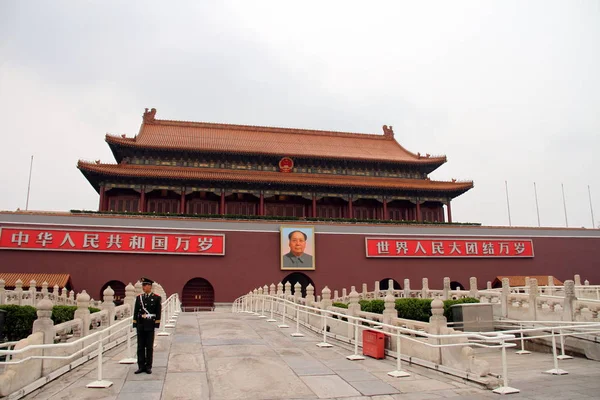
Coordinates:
[11,278]
[244,139]
[542,280]
[210,174]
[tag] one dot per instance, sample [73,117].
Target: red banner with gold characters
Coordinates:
[449,248]
[101,241]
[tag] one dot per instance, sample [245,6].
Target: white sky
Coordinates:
[508,90]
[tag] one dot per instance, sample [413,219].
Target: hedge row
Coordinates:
[272,218]
[19,319]
[415,309]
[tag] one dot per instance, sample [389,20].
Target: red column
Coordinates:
[142,206]
[350,213]
[449,212]
[101,206]
[261,204]
[419,211]
[222,205]
[182,204]
[385,214]
[314,206]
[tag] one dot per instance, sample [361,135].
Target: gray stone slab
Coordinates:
[420,385]
[329,386]
[142,386]
[158,374]
[355,375]
[136,396]
[340,363]
[186,339]
[184,386]
[79,391]
[375,387]
[190,362]
[263,378]
[228,342]
[239,351]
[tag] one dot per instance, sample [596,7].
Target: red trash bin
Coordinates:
[374,344]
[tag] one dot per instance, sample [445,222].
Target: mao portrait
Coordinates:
[297,247]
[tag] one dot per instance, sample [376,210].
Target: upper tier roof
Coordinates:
[242,139]
[227,175]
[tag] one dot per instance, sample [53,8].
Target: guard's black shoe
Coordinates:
[148,370]
[139,371]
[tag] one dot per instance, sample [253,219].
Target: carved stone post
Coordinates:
[265,290]
[504,297]
[569,301]
[344,294]
[109,304]
[406,288]
[489,285]
[336,295]
[533,295]
[364,290]
[272,290]
[19,291]
[280,289]
[376,291]
[391,284]
[44,290]
[297,292]
[425,289]
[446,291]
[577,280]
[44,324]
[288,290]
[353,309]
[83,312]
[55,293]
[63,296]
[310,295]
[71,297]
[129,297]
[473,292]
[32,292]
[586,282]
[326,298]
[389,312]
[138,288]
[2,292]
[437,323]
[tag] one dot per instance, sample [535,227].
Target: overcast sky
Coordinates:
[507,90]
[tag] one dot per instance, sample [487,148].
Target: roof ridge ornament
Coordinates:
[388,132]
[149,115]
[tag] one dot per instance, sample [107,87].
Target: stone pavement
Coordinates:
[222,356]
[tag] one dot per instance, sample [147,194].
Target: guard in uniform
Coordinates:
[146,318]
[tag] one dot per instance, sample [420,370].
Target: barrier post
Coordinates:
[505,389]
[271,303]
[283,324]
[562,356]
[355,356]
[522,351]
[297,333]
[169,318]
[163,331]
[129,359]
[398,373]
[262,313]
[555,370]
[324,342]
[100,383]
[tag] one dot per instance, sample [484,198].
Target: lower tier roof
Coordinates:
[96,172]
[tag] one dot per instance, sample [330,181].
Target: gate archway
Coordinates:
[198,295]
[118,287]
[384,284]
[303,279]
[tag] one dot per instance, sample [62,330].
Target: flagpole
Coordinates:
[507,203]
[591,209]
[537,207]
[564,205]
[29,184]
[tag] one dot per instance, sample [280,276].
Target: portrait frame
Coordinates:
[284,247]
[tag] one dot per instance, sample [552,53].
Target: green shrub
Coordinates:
[340,305]
[374,306]
[415,309]
[18,321]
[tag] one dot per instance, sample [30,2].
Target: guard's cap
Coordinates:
[146,281]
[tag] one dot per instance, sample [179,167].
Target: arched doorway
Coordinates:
[118,287]
[456,286]
[384,284]
[198,295]
[303,279]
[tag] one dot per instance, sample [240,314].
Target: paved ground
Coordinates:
[222,356]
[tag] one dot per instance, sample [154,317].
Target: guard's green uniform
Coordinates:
[146,318]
